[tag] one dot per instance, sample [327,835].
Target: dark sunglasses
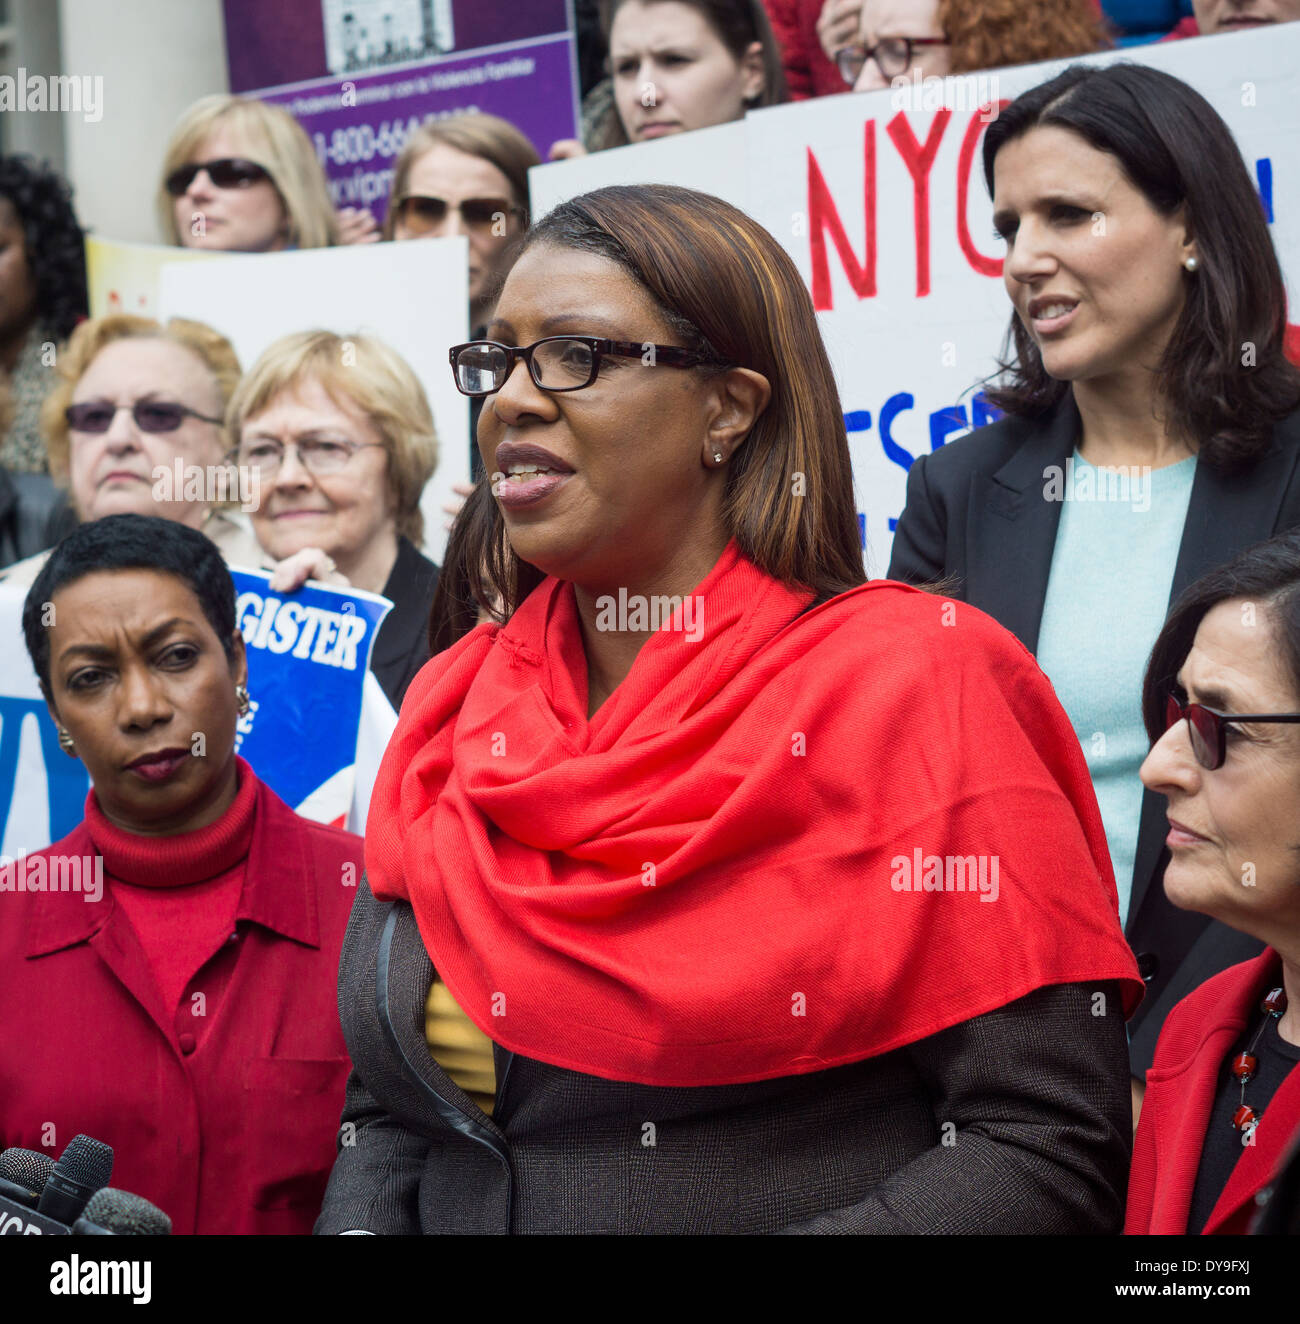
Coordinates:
[1207,728]
[421,213]
[557,363]
[228,172]
[149,415]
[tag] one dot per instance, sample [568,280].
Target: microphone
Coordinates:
[119,1213]
[23,1174]
[84,1168]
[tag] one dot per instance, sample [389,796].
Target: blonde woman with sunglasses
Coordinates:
[240,175]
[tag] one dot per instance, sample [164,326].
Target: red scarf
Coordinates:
[788,780]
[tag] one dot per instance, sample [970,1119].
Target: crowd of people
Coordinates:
[632,943]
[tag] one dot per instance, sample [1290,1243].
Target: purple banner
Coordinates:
[360,125]
[271,44]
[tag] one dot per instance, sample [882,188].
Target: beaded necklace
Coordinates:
[1244,1065]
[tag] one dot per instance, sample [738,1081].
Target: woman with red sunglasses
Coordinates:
[1222,703]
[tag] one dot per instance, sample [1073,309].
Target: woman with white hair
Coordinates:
[341,438]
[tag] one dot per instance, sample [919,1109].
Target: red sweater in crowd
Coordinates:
[1191,1057]
[188,1017]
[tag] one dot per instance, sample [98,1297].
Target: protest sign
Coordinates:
[879,198]
[308,657]
[361,77]
[412,296]
[123,278]
[304,735]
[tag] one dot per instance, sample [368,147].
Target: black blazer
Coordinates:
[975,510]
[402,644]
[1037,1090]
[34,515]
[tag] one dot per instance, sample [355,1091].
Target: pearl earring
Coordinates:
[1192,263]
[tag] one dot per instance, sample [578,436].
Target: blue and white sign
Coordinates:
[308,659]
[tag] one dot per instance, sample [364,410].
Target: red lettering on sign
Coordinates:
[985,266]
[823,216]
[918,159]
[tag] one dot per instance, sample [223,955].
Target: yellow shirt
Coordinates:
[459,1047]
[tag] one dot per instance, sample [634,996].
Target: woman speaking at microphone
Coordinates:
[177,1003]
[648,838]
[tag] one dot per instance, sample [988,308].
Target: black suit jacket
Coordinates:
[976,511]
[34,515]
[1035,1094]
[402,644]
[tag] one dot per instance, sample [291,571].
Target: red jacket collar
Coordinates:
[279,891]
[1200,1033]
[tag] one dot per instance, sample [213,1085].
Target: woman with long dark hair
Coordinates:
[625,877]
[1152,431]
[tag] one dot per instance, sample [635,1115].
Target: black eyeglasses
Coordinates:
[1207,728]
[149,415]
[893,56]
[558,363]
[227,172]
[421,214]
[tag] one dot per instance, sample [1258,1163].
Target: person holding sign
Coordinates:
[134,422]
[1154,431]
[677,65]
[620,829]
[167,969]
[241,176]
[337,435]
[1222,703]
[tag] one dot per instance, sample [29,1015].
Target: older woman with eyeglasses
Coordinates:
[340,455]
[1222,705]
[135,424]
[932,38]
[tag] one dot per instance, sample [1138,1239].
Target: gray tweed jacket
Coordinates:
[1016,1121]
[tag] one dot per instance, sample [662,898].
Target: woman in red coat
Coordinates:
[1222,703]
[168,969]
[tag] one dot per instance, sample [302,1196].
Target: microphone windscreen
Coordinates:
[126,1214]
[27,1168]
[86,1161]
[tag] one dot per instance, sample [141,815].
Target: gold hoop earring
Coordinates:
[242,700]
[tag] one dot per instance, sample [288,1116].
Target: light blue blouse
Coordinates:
[1107,594]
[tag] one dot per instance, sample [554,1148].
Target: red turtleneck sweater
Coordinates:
[180,893]
[187,1014]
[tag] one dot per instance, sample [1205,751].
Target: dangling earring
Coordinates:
[66,745]
[1192,263]
[242,699]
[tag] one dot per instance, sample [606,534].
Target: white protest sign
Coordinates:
[879,198]
[413,296]
[711,160]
